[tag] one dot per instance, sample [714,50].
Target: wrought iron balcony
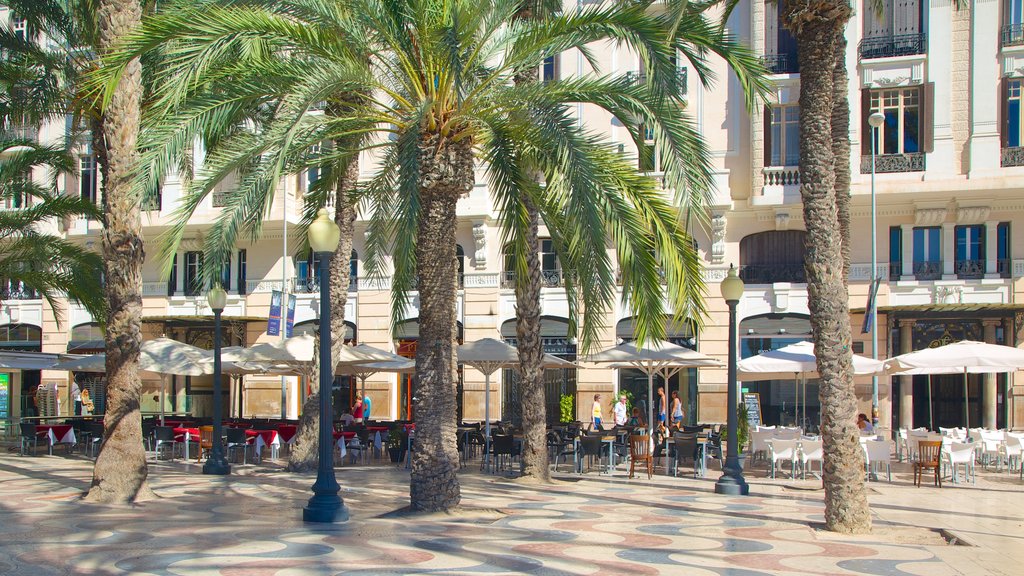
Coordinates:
[895,271]
[1012,35]
[15,290]
[928,269]
[1012,157]
[781,63]
[891,46]
[890,163]
[220,198]
[969,269]
[311,285]
[679,81]
[548,279]
[768,273]
[1003,267]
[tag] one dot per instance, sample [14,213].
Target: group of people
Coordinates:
[621,409]
[360,410]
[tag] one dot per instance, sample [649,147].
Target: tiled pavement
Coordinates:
[250,524]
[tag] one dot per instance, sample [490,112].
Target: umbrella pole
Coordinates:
[487,421]
[967,414]
[163,395]
[931,414]
[650,398]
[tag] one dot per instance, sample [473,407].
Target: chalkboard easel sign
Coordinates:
[753,402]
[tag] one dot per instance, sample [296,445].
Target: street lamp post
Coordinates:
[875,120]
[325,505]
[216,463]
[732,481]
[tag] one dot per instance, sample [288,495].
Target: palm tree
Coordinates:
[441,87]
[30,255]
[819,30]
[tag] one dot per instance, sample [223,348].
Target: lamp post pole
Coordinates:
[216,463]
[732,481]
[325,505]
[875,121]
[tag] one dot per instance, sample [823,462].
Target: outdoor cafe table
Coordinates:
[186,435]
[342,438]
[56,434]
[263,438]
[287,432]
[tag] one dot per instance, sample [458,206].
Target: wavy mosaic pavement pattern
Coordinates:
[249,524]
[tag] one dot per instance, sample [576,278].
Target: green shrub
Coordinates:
[567,408]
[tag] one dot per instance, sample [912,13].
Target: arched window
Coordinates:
[773,256]
[21,337]
[86,339]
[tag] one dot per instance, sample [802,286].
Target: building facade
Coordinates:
[949,165]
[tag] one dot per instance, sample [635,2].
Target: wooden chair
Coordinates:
[640,451]
[927,459]
[205,441]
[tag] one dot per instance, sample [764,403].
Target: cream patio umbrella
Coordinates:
[796,361]
[387,361]
[964,357]
[488,356]
[658,357]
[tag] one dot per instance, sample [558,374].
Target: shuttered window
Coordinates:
[783,138]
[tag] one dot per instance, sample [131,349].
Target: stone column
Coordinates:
[941,163]
[757,151]
[991,249]
[908,252]
[984,146]
[906,382]
[989,390]
[948,250]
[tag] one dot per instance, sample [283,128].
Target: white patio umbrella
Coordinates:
[796,361]
[964,357]
[294,350]
[387,361]
[658,357]
[488,356]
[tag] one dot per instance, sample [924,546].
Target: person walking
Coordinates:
[620,411]
[677,409]
[596,412]
[662,404]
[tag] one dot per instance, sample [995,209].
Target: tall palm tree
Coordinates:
[442,87]
[31,255]
[819,27]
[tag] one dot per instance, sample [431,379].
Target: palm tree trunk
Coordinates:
[841,150]
[531,357]
[818,25]
[120,472]
[303,456]
[445,173]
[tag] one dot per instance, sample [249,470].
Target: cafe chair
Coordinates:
[95,438]
[686,447]
[238,440]
[780,451]
[589,447]
[29,436]
[163,436]
[877,453]
[640,451]
[811,451]
[960,454]
[503,446]
[927,459]
[205,441]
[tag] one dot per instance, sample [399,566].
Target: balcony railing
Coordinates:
[768,274]
[1004,267]
[928,269]
[679,81]
[781,63]
[891,163]
[220,198]
[312,285]
[1012,35]
[891,46]
[548,279]
[1012,157]
[968,269]
[895,270]
[781,175]
[17,291]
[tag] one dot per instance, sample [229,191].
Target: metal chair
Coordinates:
[640,451]
[589,446]
[29,435]
[686,447]
[95,438]
[503,447]
[236,438]
[163,436]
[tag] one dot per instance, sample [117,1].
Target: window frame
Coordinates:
[193,273]
[877,101]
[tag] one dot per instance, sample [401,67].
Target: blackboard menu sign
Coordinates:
[753,403]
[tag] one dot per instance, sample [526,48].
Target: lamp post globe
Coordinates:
[732,482]
[876,119]
[217,464]
[325,505]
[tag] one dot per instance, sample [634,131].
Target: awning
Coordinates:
[949,309]
[27,360]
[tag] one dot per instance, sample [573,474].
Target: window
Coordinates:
[353,271]
[19,26]
[307,273]
[172,280]
[87,178]
[313,173]
[928,253]
[1013,23]
[773,256]
[894,31]
[647,156]
[895,252]
[779,45]
[1012,113]
[901,107]
[241,272]
[225,275]
[969,254]
[193,273]
[1003,249]
[460,257]
[549,69]
[783,136]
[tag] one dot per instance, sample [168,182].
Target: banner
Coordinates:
[290,322]
[274,322]
[869,310]
[5,396]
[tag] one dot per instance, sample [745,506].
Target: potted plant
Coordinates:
[742,431]
[395,444]
[567,408]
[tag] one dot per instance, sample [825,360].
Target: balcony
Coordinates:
[1004,267]
[928,269]
[679,80]
[969,269]
[1012,157]
[312,285]
[548,279]
[892,46]
[895,271]
[15,290]
[781,63]
[891,163]
[769,274]
[1012,35]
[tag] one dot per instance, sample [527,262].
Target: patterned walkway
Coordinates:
[250,524]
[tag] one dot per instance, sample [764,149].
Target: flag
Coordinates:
[274,322]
